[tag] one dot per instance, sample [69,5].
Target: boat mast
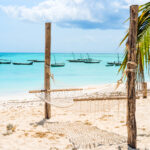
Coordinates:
[118,57]
[88,56]
[80,56]
[73,55]
[54,59]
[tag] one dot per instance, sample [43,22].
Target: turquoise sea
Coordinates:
[18,79]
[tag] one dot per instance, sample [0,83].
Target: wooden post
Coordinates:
[47,68]
[144,88]
[131,76]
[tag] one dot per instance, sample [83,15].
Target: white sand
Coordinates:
[80,125]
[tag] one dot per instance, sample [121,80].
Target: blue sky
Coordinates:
[77,25]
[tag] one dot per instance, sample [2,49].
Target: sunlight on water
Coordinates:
[23,78]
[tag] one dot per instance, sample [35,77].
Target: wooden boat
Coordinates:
[90,60]
[5,63]
[31,60]
[109,64]
[76,60]
[118,63]
[57,64]
[37,61]
[81,59]
[114,63]
[23,63]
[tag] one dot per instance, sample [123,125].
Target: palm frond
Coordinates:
[143,43]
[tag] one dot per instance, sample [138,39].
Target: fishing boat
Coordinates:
[76,60]
[118,63]
[81,59]
[110,64]
[23,63]
[31,60]
[90,60]
[6,63]
[37,61]
[57,64]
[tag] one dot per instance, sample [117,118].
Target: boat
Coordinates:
[23,63]
[76,60]
[57,64]
[31,60]
[90,60]
[37,61]
[5,63]
[110,64]
[118,63]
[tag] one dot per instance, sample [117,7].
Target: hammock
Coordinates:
[64,99]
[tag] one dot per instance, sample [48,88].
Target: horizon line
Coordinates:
[69,52]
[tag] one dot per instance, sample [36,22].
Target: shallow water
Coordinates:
[23,78]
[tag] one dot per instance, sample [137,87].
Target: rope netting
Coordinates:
[85,137]
[66,99]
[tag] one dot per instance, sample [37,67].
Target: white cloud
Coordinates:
[124,4]
[80,13]
[137,2]
[54,10]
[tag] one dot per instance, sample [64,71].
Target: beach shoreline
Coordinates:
[33,132]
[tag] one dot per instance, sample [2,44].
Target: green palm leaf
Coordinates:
[143,43]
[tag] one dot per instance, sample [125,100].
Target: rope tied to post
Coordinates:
[132,63]
[47,65]
[52,77]
[130,70]
[127,71]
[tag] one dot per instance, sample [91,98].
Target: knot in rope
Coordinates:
[52,76]
[132,63]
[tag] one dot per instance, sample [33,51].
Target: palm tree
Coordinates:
[143,43]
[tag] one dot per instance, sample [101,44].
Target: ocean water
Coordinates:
[18,79]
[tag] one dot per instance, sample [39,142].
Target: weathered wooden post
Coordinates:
[47,69]
[131,77]
[144,88]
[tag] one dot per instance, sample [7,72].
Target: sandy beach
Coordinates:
[97,125]
[74,75]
